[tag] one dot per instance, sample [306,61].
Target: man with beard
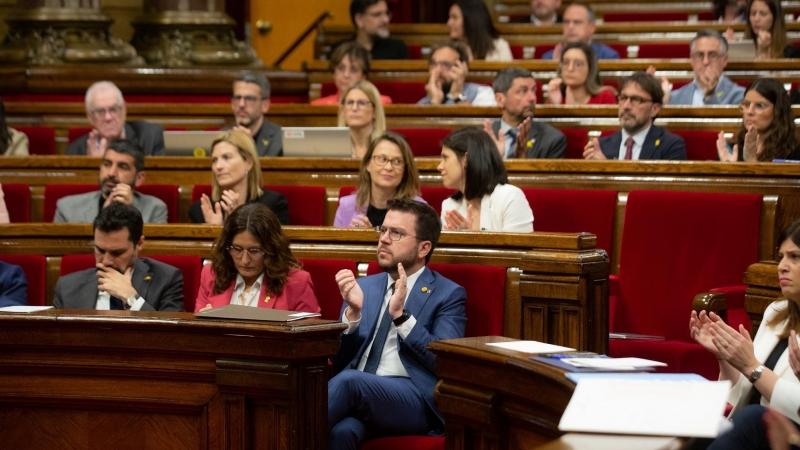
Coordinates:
[515,93]
[543,13]
[121,171]
[448,69]
[639,104]
[121,280]
[371,19]
[388,375]
[250,101]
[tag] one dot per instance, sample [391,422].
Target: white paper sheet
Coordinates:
[612,363]
[645,407]
[24,309]
[531,347]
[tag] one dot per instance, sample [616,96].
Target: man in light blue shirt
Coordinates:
[579,27]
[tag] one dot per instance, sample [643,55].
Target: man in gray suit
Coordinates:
[121,280]
[250,101]
[515,93]
[121,171]
[709,56]
[106,111]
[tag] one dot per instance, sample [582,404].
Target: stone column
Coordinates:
[62,31]
[185,33]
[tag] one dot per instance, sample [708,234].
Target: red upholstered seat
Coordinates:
[424,141]
[76,263]
[700,145]
[646,16]
[622,49]
[405,443]
[35,267]
[576,141]
[516,51]
[306,203]
[41,140]
[705,16]
[76,132]
[574,211]
[674,246]
[323,274]
[414,52]
[18,202]
[435,196]
[663,50]
[541,49]
[167,193]
[402,91]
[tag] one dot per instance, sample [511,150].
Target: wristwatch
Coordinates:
[756,373]
[459,98]
[130,301]
[401,319]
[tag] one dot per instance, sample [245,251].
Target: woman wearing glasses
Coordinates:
[767,130]
[361,110]
[387,171]
[577,80]
[349,63]
[235,180]
[252,265]
[484,200]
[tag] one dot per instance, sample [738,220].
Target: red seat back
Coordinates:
[574,211]
[622,49]
[306,203]
[663,50]
[76,263]
[576,141]
[706,16]
[346,190]
[74,133]
[53,192]
[35,267]
[18,202]
[323,274]
[700,145]
[414,52]
[435,196]
[41,140]
[424,141]
[646,16]
[409,92]
[190,267]
[541,49]
[517,51]
[167,193]
[676,245]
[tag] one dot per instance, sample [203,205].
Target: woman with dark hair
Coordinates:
[767,130]
[730,11]
[484,200]
[349,63]
[759,370]
[252,265]
[387,171]
[577,80]
[235,180]
[12,142]
[767,28]
[470,22]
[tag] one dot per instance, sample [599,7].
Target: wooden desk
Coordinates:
[106,379]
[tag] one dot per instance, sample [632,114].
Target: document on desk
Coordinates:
[531,347]
[24,309]
[646,407]
[612,363]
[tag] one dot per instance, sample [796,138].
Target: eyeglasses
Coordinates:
[344,68]
[446,65]
[248,99]
[760,106]
[360,103]
[394,233]
[382,160]
[699,56]
[575,63]
[253,253]
[101,112]
[635,99]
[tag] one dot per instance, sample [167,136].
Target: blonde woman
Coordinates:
[235,180]
[361,110]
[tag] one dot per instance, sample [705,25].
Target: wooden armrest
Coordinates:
[710,302]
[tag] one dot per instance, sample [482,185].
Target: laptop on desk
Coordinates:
[189,143]
[320,142]
[742,50]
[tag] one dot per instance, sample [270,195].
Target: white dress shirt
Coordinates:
[251,298]
[103,301]
[638,142]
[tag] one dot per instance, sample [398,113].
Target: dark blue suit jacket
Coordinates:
[658,144]
[13,285]
[439,313]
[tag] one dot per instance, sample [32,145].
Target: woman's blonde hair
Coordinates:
[379,119]
[409,185]
[247,150]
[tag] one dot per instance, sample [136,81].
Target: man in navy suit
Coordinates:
[13,285]
[388,390]
[640,99]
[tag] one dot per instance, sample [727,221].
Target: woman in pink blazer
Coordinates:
[252,265]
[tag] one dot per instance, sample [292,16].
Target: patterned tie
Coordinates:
[629,148]
[513,133]
[374,357]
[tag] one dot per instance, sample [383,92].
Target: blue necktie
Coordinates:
[374,357]
[513,133]
[114,303]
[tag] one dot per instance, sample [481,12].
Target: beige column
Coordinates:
[183,33]
[62,31]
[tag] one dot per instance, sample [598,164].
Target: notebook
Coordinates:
[189,143]
[238,312]
[320,142]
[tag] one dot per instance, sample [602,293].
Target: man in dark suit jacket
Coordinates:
[371,19]
[515,93]
[105,109]
[13,285]
[640,99]
[121,280]
[391,317]
[543,13]
[250,101]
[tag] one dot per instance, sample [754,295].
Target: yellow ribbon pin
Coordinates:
[425,289]
[147,278]
[658,141]
[199,152]
[719,94]
[266,300]
[529,144]
[265,142]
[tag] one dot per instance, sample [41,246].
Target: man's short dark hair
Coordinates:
[428,228]
[709,33]
[360,7]
[505,78]
[258,79]
[117,216]
[648,82]
[589,11]
[131,148]
[458,46]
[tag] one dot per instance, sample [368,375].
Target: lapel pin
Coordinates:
[658,141]
[266,300]
[529,144]
[719,94]
[147,278]
[265,142]
[425,289]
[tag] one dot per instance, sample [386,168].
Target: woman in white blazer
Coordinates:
[759,370]
[484,200]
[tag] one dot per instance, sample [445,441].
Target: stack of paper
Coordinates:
[531,347]
[612,363]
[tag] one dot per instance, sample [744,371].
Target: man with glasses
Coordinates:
[250,101]
[447,85]
[579,26]
[121,280]
[385,387]
[639,104]
[371,19]
[709,56]
[105,109]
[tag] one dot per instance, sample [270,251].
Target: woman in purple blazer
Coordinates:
[387,171]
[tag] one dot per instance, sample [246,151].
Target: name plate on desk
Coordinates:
[238,312]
